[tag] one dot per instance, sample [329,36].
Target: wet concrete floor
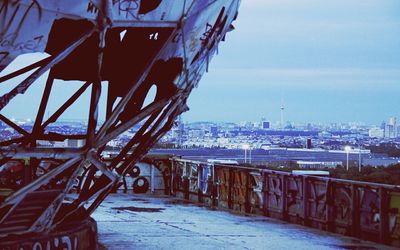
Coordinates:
[127,221]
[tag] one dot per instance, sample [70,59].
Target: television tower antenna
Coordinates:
[282,109]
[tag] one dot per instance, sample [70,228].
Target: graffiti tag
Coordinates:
[62,242]
[8,43]
[3,55]
[127,8]
[206,35]
[10,9]
[91,8]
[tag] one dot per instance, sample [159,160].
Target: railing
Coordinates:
[364,210]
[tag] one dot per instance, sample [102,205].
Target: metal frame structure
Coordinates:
[196,28]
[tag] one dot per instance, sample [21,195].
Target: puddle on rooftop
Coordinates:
[140,200]
[139,209]
[183,202]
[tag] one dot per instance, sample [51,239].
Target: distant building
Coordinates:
[214,131]
[318,164]
[311,172]
[324,134]
[266,125]
[398,131]
[392,121]
[376,133]
[383,125]
[309,143]
[43,143]
[74,143]
[391,128]
[197,133]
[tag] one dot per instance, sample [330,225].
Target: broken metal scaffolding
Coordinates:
[81,46]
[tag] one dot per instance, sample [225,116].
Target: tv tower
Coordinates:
[282,109]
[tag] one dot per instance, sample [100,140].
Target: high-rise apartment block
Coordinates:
[391,128]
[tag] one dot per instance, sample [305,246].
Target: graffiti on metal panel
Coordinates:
[223,179]
[8,43]
[318,204]
[12,12]
[275,187]
[210,35]
[127,8]
[370,216]
[206,34]
[205,175]
[343,205]
[12,9]
[3,55]
[256,195]
[294,195]
[62,242]
[91,8]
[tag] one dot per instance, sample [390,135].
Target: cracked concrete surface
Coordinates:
[157,223]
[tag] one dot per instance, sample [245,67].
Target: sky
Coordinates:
[326,61]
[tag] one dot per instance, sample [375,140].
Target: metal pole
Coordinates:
[250,155]
[245,155]
[347,161]
[359,158]
[152,178]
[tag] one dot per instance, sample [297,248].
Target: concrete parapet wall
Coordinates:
[367,211]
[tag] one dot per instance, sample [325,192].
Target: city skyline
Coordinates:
[275,124]
[329,61]
[332,62]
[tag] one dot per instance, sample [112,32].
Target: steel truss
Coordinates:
[45,201]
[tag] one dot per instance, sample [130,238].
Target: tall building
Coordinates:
[214,131]
[391,128]
[383,125]
[282,109]
[392,121]
[309,143]
[266,125]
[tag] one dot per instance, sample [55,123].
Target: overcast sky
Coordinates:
[329,61]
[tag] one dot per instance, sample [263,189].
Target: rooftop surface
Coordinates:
[127,221]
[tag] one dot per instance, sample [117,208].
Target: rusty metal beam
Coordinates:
[13,125]
[24,70]
[66,105]
[24,85]
[86,161]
